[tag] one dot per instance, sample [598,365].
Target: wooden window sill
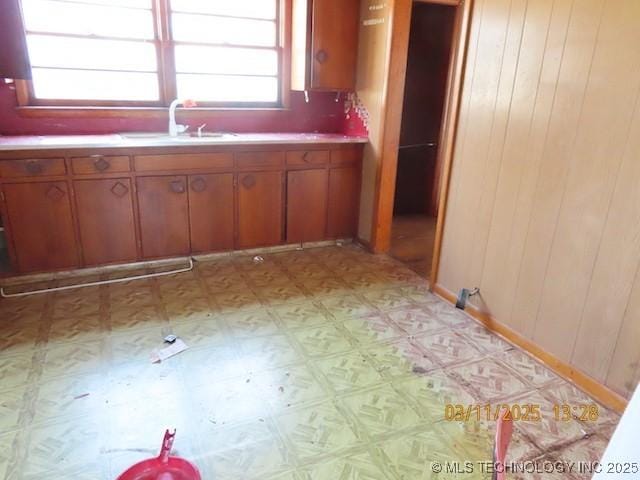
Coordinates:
[142,112]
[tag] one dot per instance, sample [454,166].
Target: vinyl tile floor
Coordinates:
[320,364]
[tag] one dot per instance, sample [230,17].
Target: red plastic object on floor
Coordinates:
[504,431]
[164,466]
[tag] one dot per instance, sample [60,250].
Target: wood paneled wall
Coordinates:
[544,207]
[371,86]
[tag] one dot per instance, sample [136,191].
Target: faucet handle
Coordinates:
[182,128]
[200,128]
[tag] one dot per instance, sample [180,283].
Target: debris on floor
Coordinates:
[162,354]
[258,259]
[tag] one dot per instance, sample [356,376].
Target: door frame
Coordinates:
[392,121]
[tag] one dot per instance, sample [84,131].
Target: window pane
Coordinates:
[223,30]
[46,51]
[89,85]
[236,8]
[213,88]
[196,59]
[82,19]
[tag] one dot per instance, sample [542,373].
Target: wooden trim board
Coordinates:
[592,387]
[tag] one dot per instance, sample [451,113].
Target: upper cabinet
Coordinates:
[324,44]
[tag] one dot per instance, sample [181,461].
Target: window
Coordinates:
[148,52]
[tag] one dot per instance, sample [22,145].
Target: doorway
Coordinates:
[419,168]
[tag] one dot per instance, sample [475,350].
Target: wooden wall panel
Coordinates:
[545,179]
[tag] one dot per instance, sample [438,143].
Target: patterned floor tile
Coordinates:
[260,460]
[432,392]
[76,329]
[400,359]
[74,358]
[316,432]
[587,452]
[351,467]
[372,329]
[132,319]
[447,348]
[322,340]
[387,299]
[240,300]
[68,397]
[347,306]
[19,338]
[12,405]
[301,315]
[250,324]
[15,369]
[6,452]
[533,372]
[291,387]
[61,449]
[565,393]
[349,371]
[414,455]
[276,384]
[490,379]
[416,320]
[135,346]
[324,287]
[382,411]
[229,401]
[264,353]
[484,340]
[548,432]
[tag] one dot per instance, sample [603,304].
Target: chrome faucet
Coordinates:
[174,128]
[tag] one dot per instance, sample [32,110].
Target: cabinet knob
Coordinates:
[199,185]
[101,163]
[305,157]
[248,181]
[177,186]
[34,167]
[322,56]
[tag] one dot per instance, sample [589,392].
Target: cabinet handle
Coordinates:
[55,193]
[199,185]
[248,181]
[177,186]
[119,189]
[305,157]
[100,163]
[322,56]
[34,167]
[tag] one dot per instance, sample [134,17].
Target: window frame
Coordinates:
[29,105]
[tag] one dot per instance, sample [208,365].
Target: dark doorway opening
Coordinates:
[419,166]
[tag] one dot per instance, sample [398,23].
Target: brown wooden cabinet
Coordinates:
[105,219]
[164,216]
[307,192]
[211,212]
[41,225]
[344,200]
[260,209]
[324,44]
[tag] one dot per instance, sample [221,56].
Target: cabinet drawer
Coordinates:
[345,156]
[100,164]
[259,159]
[32,168]
[184,161]
[307,157]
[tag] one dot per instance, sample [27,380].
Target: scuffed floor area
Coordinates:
[412,242]
[318,364]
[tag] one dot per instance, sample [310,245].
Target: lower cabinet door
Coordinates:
[105,218]
[344,200]
[307,205]
[41,226]
[211,212]
[260,209]
[164,216]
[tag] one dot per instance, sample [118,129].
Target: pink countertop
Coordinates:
[9,143]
